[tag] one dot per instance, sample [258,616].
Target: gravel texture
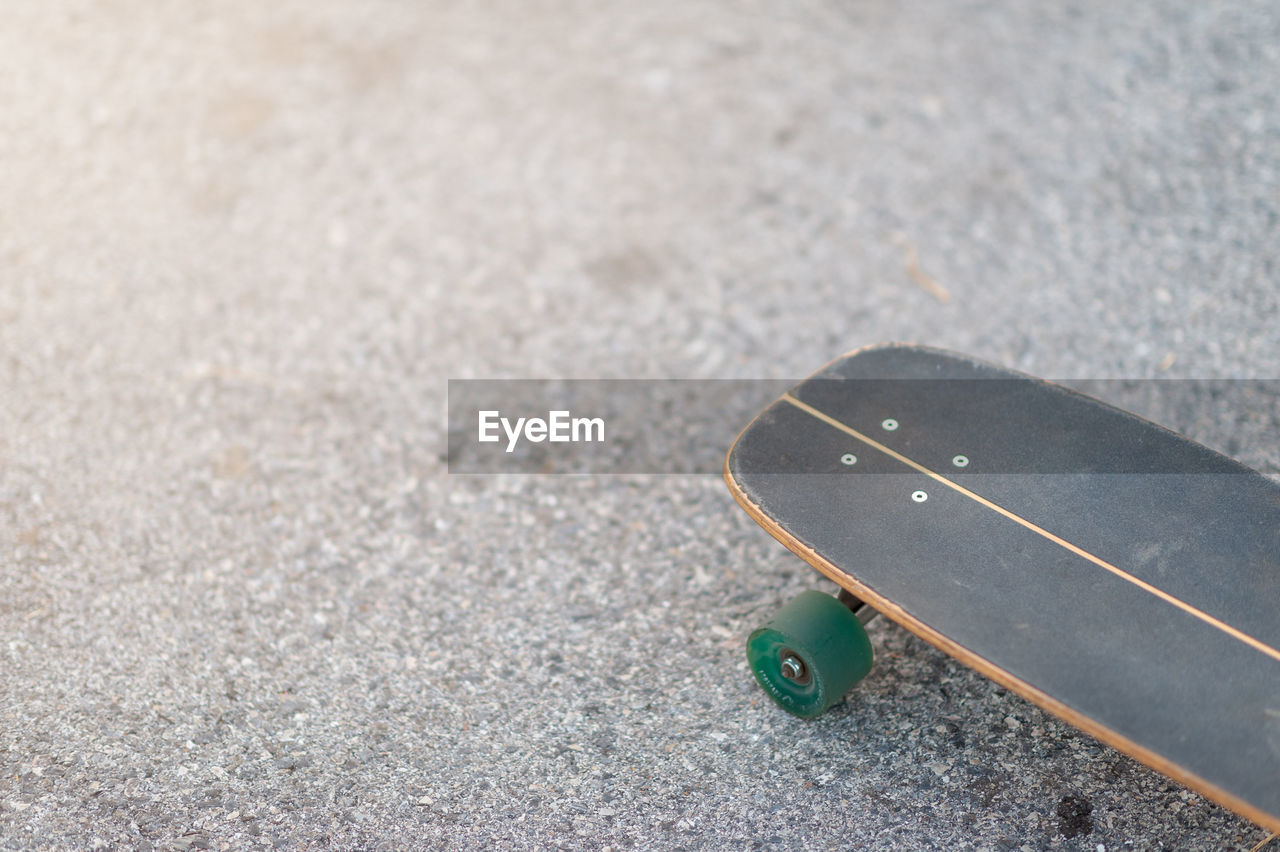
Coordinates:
[244,246]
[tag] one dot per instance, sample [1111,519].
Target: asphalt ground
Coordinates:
[244,247]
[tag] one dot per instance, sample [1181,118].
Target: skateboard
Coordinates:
[1119,575]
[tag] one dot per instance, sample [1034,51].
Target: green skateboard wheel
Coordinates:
[809,654]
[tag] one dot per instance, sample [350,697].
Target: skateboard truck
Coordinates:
[856,606]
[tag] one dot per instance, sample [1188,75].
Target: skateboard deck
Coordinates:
[1115,573]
